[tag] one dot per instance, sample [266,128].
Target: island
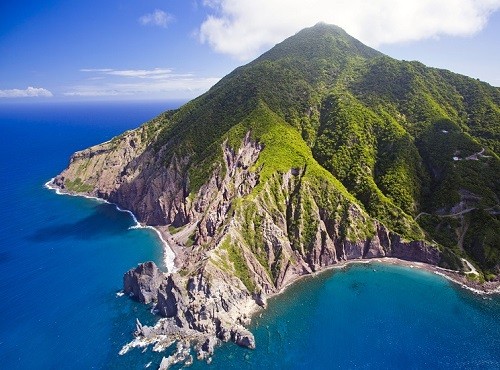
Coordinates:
[321,152]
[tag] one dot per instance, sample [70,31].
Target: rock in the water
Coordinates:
[142,331]
[209,345]
[142,283]
[164,364]
[261,299]
[244,338]
[138,327]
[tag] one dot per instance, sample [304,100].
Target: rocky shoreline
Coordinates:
[234,246]
[204,309]
[178,324]
[188,317]
[455,277]
[461,279]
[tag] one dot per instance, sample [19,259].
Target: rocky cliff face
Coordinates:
[245,245]
[194,309]
[130,172]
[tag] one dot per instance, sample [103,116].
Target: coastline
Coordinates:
[168,253]
[174,255]
[179,250]
[450,275]
[161,335]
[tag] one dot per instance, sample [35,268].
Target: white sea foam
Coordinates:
[58,191]
[477,291]
[120,294]
[168,253]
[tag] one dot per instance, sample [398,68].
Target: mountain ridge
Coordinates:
[320,151]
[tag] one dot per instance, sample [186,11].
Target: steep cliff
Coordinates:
[320,151]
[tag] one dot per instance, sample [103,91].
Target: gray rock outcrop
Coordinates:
[192,311]
[142,283]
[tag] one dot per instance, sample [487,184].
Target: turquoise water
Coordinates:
[373,316]
[62,260]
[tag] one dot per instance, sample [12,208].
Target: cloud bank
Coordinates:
[30,92]
[244,28]
[141,82]
[156,73]
[157,18]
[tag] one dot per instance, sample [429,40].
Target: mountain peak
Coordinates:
[321,41]
[325,27]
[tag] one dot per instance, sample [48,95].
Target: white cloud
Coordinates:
[244,28]
[157,18]
[158,82]
[141,73]
[30,92]
[95,70]
[154,74]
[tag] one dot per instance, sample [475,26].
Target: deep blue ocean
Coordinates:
[62,260]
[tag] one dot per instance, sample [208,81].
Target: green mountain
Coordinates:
[319,151]
[387,130]
[415,148]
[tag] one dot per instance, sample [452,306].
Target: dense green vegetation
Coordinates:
[411,145]
[78,186]
[347,147]
[239,265]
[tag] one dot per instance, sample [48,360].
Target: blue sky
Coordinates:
[177,49]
